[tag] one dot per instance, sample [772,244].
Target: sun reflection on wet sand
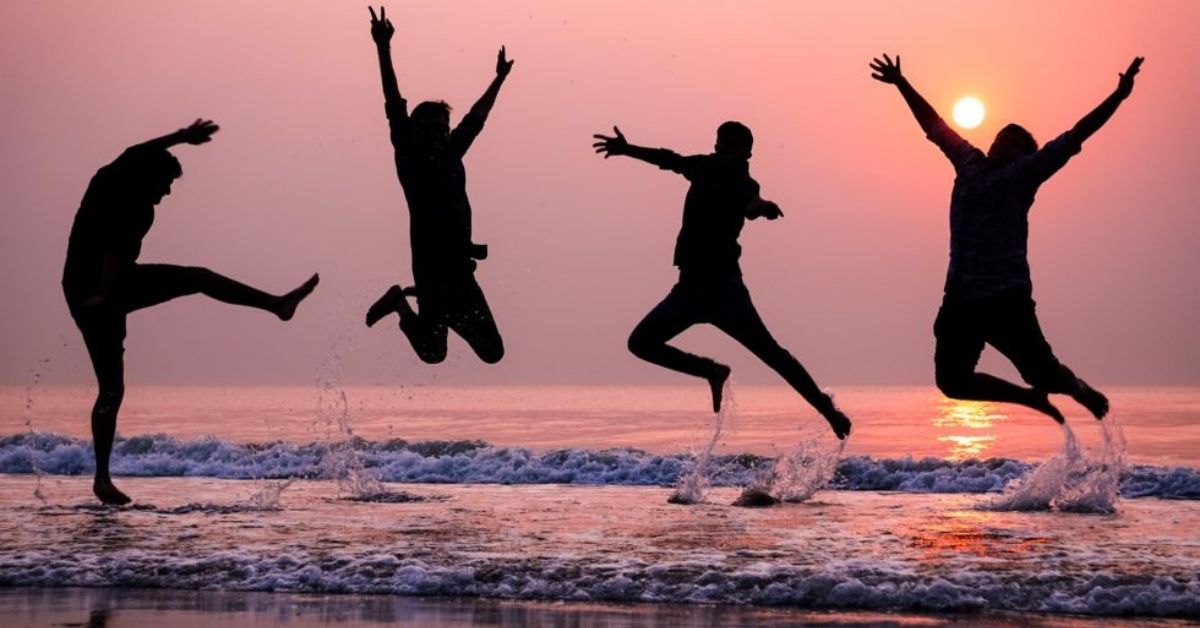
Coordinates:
[971,532]
[972,415]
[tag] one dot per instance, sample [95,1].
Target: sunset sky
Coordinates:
[300,178]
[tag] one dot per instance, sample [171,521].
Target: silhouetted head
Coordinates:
[1011,143]
[734,140]
[431,122]
[153,173]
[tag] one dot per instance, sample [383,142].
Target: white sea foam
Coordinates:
[467,461]
[839,584]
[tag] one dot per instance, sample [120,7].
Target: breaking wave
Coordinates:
[473,461]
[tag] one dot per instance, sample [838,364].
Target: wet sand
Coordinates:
[120,608]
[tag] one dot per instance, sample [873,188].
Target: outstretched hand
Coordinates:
[886,71]
[1125,84]
[503,64]
[609,146]
[381,27]
[199,132]
[761,208]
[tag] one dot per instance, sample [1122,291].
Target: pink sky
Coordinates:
[300,178]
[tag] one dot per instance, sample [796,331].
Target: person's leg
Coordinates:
[104,337]
[391,302]
[668,319]
[425,330]
[472,319]
[960,336]
[736,316]
[1017,334]
[152,284]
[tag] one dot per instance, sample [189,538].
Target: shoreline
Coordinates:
[115,607]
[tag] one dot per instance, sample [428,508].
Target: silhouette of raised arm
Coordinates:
[382,31]
[888,71]
[483,106]
[198,132]
[618,145]
[1092,122]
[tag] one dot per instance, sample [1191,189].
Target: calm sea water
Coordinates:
[561,493]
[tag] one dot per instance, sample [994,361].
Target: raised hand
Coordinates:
[503,65]
[198,132]
[1125,84]
[609,146]
[886,71]
[381,27]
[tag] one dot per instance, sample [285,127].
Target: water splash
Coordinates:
[1097,489]
[696,479]
[808,469]
[267,497]
[1068,481]
[333,411]
[1038,489]
[31,392]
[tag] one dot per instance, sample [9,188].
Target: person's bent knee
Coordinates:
[492,355]
[953,385]
[432,356]
[640,345]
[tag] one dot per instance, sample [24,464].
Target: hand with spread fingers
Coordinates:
[886,71]
[609,146]
[199,132]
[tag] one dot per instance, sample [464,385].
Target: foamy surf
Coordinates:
[476,462]
[1069,481]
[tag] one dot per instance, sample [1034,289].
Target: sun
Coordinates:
[968,112]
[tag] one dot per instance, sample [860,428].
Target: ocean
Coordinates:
[561,494]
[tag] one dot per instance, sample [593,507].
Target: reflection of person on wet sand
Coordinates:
[428,157]
[103,282]
[710,288]
[988,295]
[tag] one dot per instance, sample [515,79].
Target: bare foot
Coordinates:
[385,305]
[1092,399]
[839,422]
[716,382]
[108,494]
[289,301]
[1041,403]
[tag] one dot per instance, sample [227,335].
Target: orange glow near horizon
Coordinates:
[971,415]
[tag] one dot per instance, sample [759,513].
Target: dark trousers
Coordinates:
[1008,322]
[452,303]
[103,329]
[725,303]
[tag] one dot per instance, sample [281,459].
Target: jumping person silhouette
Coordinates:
[429,164]
[103,282]
[989,293]
[710,288]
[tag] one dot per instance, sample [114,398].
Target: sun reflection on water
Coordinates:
[971,415]
[971,532]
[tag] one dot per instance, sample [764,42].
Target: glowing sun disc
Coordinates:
[968,112]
